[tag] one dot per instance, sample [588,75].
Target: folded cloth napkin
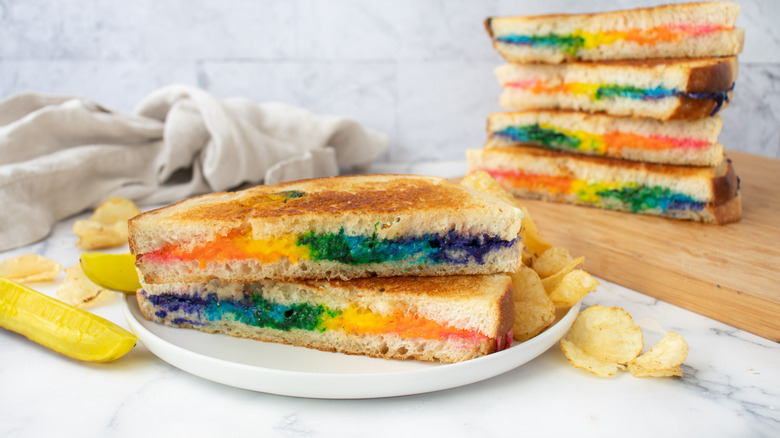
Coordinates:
[61,155]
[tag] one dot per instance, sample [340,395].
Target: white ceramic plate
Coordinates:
[302,372]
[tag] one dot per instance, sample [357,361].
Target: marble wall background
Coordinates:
[419,70]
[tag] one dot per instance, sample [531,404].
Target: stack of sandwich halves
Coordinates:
[396,267]
[618,110]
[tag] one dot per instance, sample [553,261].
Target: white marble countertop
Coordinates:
[731,386]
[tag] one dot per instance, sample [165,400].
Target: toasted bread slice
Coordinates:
[691,30]
[659,89]
[447,319]
[680,142]
[340,227]
[706,194]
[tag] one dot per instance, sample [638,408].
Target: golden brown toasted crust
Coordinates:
[332,195]
[388,205]
[488,27]
[506,307]
[729,212]
[619,16]
[725,185]
[692,109]
[323,196]
[716,75]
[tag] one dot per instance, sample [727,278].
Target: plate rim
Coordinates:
[309,384]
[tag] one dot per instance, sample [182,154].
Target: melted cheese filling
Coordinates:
[579,39]
[340,247]
[253,310]
[593,92]
[613,142]
[619,195]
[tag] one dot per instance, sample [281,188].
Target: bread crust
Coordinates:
[728,212]
[692,109]
[384,205]
[725,184]
[724,11]
[715,75]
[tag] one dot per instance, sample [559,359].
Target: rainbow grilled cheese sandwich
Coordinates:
[446,319]
[706,194]
[341,227]
[692,30]
[659,89]
[680,142]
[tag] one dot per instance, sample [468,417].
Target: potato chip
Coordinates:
[29,268]
[95,235]
[115,210]
[552,261]
[607,334]
[579,359]
[663,360]
[79,291]
[108,225]
[573,288]
[531,236]
[483,182]
[534,311]
[552,281]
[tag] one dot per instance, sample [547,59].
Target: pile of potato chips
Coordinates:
[602,340]
[106,228]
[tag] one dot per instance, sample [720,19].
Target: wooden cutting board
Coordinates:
[730,273]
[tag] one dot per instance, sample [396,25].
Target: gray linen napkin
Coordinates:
[61,155]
